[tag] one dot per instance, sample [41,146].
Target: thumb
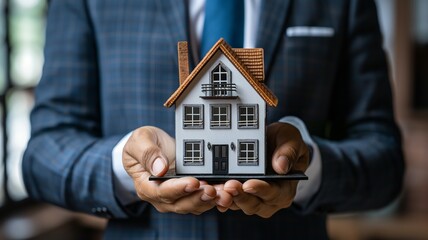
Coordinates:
[159,167]
[283,158]
[287,143]
[153,159]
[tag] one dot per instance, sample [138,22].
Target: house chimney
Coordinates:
[183,61]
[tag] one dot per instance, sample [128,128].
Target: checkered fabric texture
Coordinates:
[110,65]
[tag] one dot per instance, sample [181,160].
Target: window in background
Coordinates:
[19,106]
[2,190]
[2,50]
[21,60]
[27,26]
[420,54]
[3,77]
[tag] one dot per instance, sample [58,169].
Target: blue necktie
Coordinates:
[223,19]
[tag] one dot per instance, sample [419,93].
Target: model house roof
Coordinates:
[248,61]
[252,59]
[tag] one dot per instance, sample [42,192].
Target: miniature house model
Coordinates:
[220,112]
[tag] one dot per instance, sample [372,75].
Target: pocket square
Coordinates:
[307,31]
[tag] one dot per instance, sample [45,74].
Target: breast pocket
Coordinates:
[303,73]
[310,46]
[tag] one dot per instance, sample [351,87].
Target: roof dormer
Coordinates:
[221,85]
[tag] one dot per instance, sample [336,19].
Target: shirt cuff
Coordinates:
[308,188]
[122,182]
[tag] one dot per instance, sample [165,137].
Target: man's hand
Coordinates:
[288,152]
[151,151]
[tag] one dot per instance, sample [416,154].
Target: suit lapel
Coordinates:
[271,28]
[175,15]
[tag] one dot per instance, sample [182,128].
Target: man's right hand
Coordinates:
[151,151]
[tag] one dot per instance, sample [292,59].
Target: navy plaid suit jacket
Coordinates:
[111,64]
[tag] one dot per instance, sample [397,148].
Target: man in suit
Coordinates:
[110,65]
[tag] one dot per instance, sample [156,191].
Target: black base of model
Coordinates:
[240,177]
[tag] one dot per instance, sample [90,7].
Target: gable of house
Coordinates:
[252,71]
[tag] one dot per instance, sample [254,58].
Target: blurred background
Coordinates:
[22,24]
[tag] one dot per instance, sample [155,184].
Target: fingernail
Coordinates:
[205,197]
[189,189]
[158,166]
[250,190]
[234,192]
[222,209]
[219,203]
[282,160]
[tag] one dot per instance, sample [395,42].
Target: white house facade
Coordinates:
[220,117]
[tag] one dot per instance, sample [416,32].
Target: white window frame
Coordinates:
[193,156]
[244,121]
[191,122]
[220,91]
[220,124]
[244,153]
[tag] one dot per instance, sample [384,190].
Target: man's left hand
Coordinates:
[289,153]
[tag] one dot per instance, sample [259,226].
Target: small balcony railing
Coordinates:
[219,90]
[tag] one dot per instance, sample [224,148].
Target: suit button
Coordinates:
[101,212]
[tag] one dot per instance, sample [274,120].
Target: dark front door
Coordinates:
[220,159]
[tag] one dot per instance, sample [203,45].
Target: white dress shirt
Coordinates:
[124,186]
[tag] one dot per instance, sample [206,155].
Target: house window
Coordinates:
[248,116]
[248,153]
[193,116]
[220,79]
[220,116]
[193,152]
[220,85]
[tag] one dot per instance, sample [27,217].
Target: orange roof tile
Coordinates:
[250,56]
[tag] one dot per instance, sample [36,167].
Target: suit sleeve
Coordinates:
[68,160]
[362,161]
